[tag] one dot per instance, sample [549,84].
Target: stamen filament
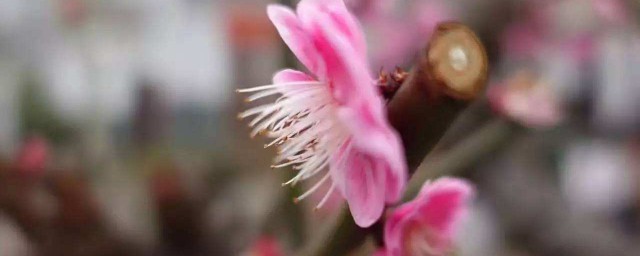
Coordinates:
[313,189]
[326,196]
[271,86]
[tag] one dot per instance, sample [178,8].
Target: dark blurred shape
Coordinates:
[179,216]
[150,118]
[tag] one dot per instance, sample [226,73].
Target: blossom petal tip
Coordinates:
[276,11]
[364,223]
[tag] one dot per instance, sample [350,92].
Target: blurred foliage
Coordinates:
[37,117]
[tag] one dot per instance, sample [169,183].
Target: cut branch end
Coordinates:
[456,61]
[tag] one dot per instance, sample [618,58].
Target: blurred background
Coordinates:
[118,129]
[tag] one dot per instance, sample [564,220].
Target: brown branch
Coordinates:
[435,94]
[448,76]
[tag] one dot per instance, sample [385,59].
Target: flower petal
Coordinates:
[362,108]
[365,189]
[295,36]
[374,137]
[380,252]
[340,21]
[435,213]
[337,165]
[442,204]
[345,61]
[395,224]
[290,75]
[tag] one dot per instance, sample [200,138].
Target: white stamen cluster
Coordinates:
[303,125]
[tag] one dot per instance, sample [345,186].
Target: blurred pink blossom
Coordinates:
[366,9]
[32,158]
[580,48]
[427,225]
[400,37]
[266,246]
[526,101]
[335,118]
[523,40]
[545,25]
[614,12]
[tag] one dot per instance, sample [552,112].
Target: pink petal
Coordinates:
[351,82]
[380,252]
[365,188]
[373,136]
[295,36]
[442,206]
[290,75]
[346,69]
[438,208]
[395,225]
[396,181]
[340,21]
[337,166]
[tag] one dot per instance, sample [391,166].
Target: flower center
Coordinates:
[302,123]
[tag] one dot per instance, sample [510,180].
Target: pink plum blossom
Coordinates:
[332,122]
[526,101]
[427,225]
